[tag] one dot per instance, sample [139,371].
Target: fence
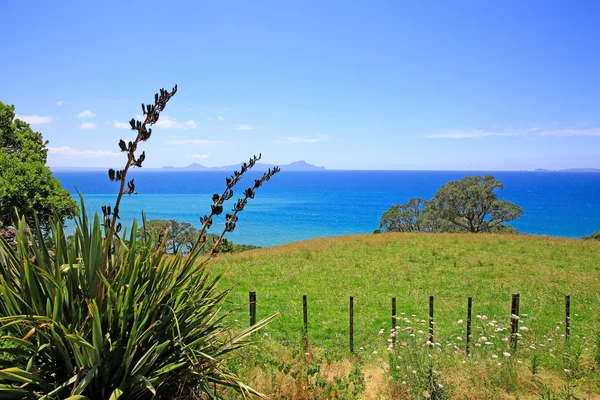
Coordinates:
[514,319]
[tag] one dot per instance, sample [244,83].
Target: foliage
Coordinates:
[404,217]
[26,183]
[156,329]
[105,315]
[472,205]
[181,236]
[593,236]
[468,205]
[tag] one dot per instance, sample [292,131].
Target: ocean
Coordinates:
[294,206]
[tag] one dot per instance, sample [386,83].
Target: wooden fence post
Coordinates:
[394,322]
[567,317]
[468,338]
[514,321]
[351,324]
[252,308]
[305,313]
[430,319]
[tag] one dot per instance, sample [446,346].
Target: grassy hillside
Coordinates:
[451,267]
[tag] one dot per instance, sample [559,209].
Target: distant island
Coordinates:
[295,166]
[568,170]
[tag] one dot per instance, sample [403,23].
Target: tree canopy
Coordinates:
[404,217]
[467,205]
[26,183]
[181,236]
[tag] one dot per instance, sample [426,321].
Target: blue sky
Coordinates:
[447,85]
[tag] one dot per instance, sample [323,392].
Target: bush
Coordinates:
[593,236]
[26,183]
[107,315]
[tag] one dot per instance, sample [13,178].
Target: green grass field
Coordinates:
[410,267]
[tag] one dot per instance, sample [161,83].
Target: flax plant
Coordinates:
[105,314]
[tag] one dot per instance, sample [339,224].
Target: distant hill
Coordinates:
[295,166]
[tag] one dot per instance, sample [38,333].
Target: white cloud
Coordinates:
[86,114]
[569,132]
[303,139]
[60,103]
[88,125]
[69,153]
[199,156]
[205,142]
[165,122]
[468,134]
[220,118]
[121,125]
[537,131]
[34,119]
[243,127]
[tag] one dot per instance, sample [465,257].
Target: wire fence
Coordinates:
[352,322]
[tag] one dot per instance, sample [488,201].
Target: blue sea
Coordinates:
[301,205]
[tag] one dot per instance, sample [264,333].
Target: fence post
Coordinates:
[305,313]
[351,324]
[567,317]
[252,308]
[394,323]
[514,321]
[430,319]
[469,309]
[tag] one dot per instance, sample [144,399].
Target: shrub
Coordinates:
[107,315]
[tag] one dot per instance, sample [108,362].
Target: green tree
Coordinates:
[180,235]
[471,204]
[26,183]
[183,235]
[404,217]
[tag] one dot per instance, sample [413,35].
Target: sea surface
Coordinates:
[301,205]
